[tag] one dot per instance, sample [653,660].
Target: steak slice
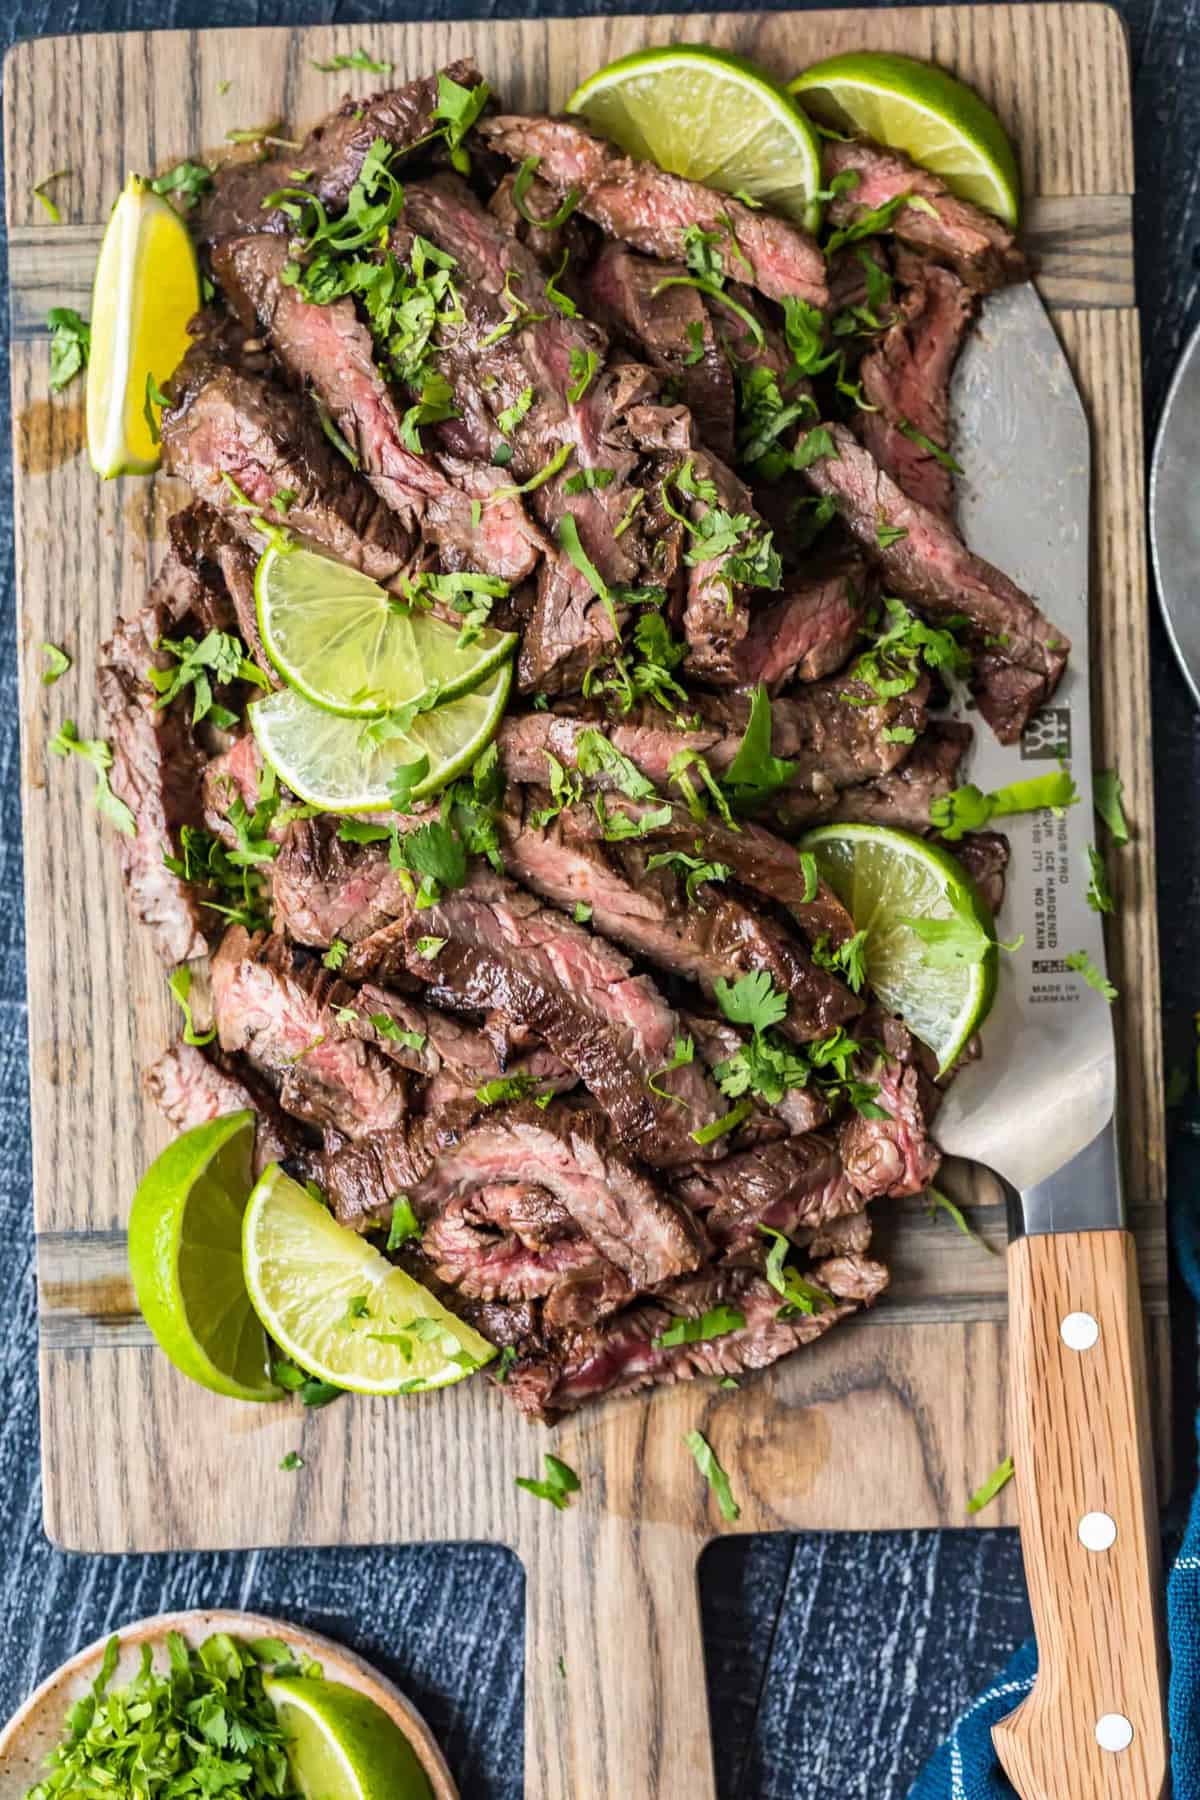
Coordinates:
[974,243]
[323,888]
[672,329]
[190,1088]
[1019,656]
[834,742]
[222,422]
[893,1155]
[327,349]
[157,763]
[269,1006]
[547,242]
[790,1184]
[515,1241]
[505,952]
[984,855]
[810,632]
[334,151]
[645,207]
[902,798]
[801,1109]
[573,1157]
[711,937]
[906,377]
[362,1177]
[621,1354]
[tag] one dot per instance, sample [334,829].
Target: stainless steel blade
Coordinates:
[1043,1091]
[1175,513]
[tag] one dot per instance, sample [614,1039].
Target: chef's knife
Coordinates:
[1039,1111]
[1175,513]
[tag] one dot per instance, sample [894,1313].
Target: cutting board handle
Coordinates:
[1080,1434]
[615,1696]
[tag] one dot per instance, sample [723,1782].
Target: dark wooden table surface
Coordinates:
[834,1663]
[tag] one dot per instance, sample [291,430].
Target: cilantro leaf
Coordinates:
[717,1322]
[404,1223]
[695,869]
[848,959]
[683,1053]
[560,1483]
[800,1296]
[987,1491]
[1099,893]
[1082,964]
[458,108]
[568,537]
[597,755]
[70,345]
[352,59]
[1106,798]
[189,180]
[719,1128]
[755,770]
[507,1088]
[57,664]
[939,1201]
[522,182]
[812,879]
[706,1461]
[67,742]
[180,984]
[967,809]
[751,1000]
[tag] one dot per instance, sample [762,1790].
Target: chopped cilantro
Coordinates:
[587,480]
[719,1128]
[70,345]
[582,367]
[57,664]
[512,415]
[942,1202]
[717,1322]
[799,1295]
[180,984]
[683,1053]
[694,869]
[506,1088]
[986,1493]
[522,182]
[67,742]
[188,180]
[755,770]
[596,755]
[560,1483]
[582,913]
[43,198]
[387,1028]
[353,59]
[1099,893]
[967,809]
[568,537]
[219,657]
[428,947]
[1082,964]
[751,1000]
[1106,797]
[336,954]
[848,959]
[404,1223]
[812,879]
[292,1461]
[706,1461]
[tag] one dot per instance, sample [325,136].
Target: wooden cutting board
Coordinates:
[891,1420]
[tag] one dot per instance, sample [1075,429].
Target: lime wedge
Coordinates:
[185,1257]
[323,757]
[341,1746]
[349,646]
[712,117]
[147,287]
[920,109]
[338,1307]
[884,877]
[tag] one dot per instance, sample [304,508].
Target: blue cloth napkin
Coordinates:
[966,1768]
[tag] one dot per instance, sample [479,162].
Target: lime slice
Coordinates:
[338,1307]
[349,646]
[883,877]
[185,1257]
[920,109]
[323,758]
[712,117]
[147,287]
[341,1745]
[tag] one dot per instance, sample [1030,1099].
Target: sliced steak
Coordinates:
[1019,655]
[515,1241]
[621,1355]
[902,798]
[269,1006]
[573,1156]
[323,888]
[645,207]
[506,952]
[157,764]
[224,423]
[800,1110]
[984,855]
[189,1088]
[326,348]
[907,379]
[363,1177]
[894,1155]
[547,242]
[974,243]
[672,329]
[711,937]
[790,1184]
[810,632]
[834,742]
[334,151]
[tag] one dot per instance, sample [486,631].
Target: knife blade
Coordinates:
[1175,513]
[1021,436]
[1039,1110]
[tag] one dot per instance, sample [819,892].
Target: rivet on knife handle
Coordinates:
[1094,1726]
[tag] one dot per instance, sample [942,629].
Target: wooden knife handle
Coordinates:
[615,1696]
[1080,1434]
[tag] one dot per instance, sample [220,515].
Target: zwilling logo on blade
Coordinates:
[1047,735]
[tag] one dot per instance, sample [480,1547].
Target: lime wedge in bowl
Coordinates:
[331,762]
[338,1308]
[920,109]
[185,1257]
[341,1746]
[349,646]
[931,951]
[712,117]
[147,287]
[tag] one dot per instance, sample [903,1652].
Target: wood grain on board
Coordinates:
[888,1421]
